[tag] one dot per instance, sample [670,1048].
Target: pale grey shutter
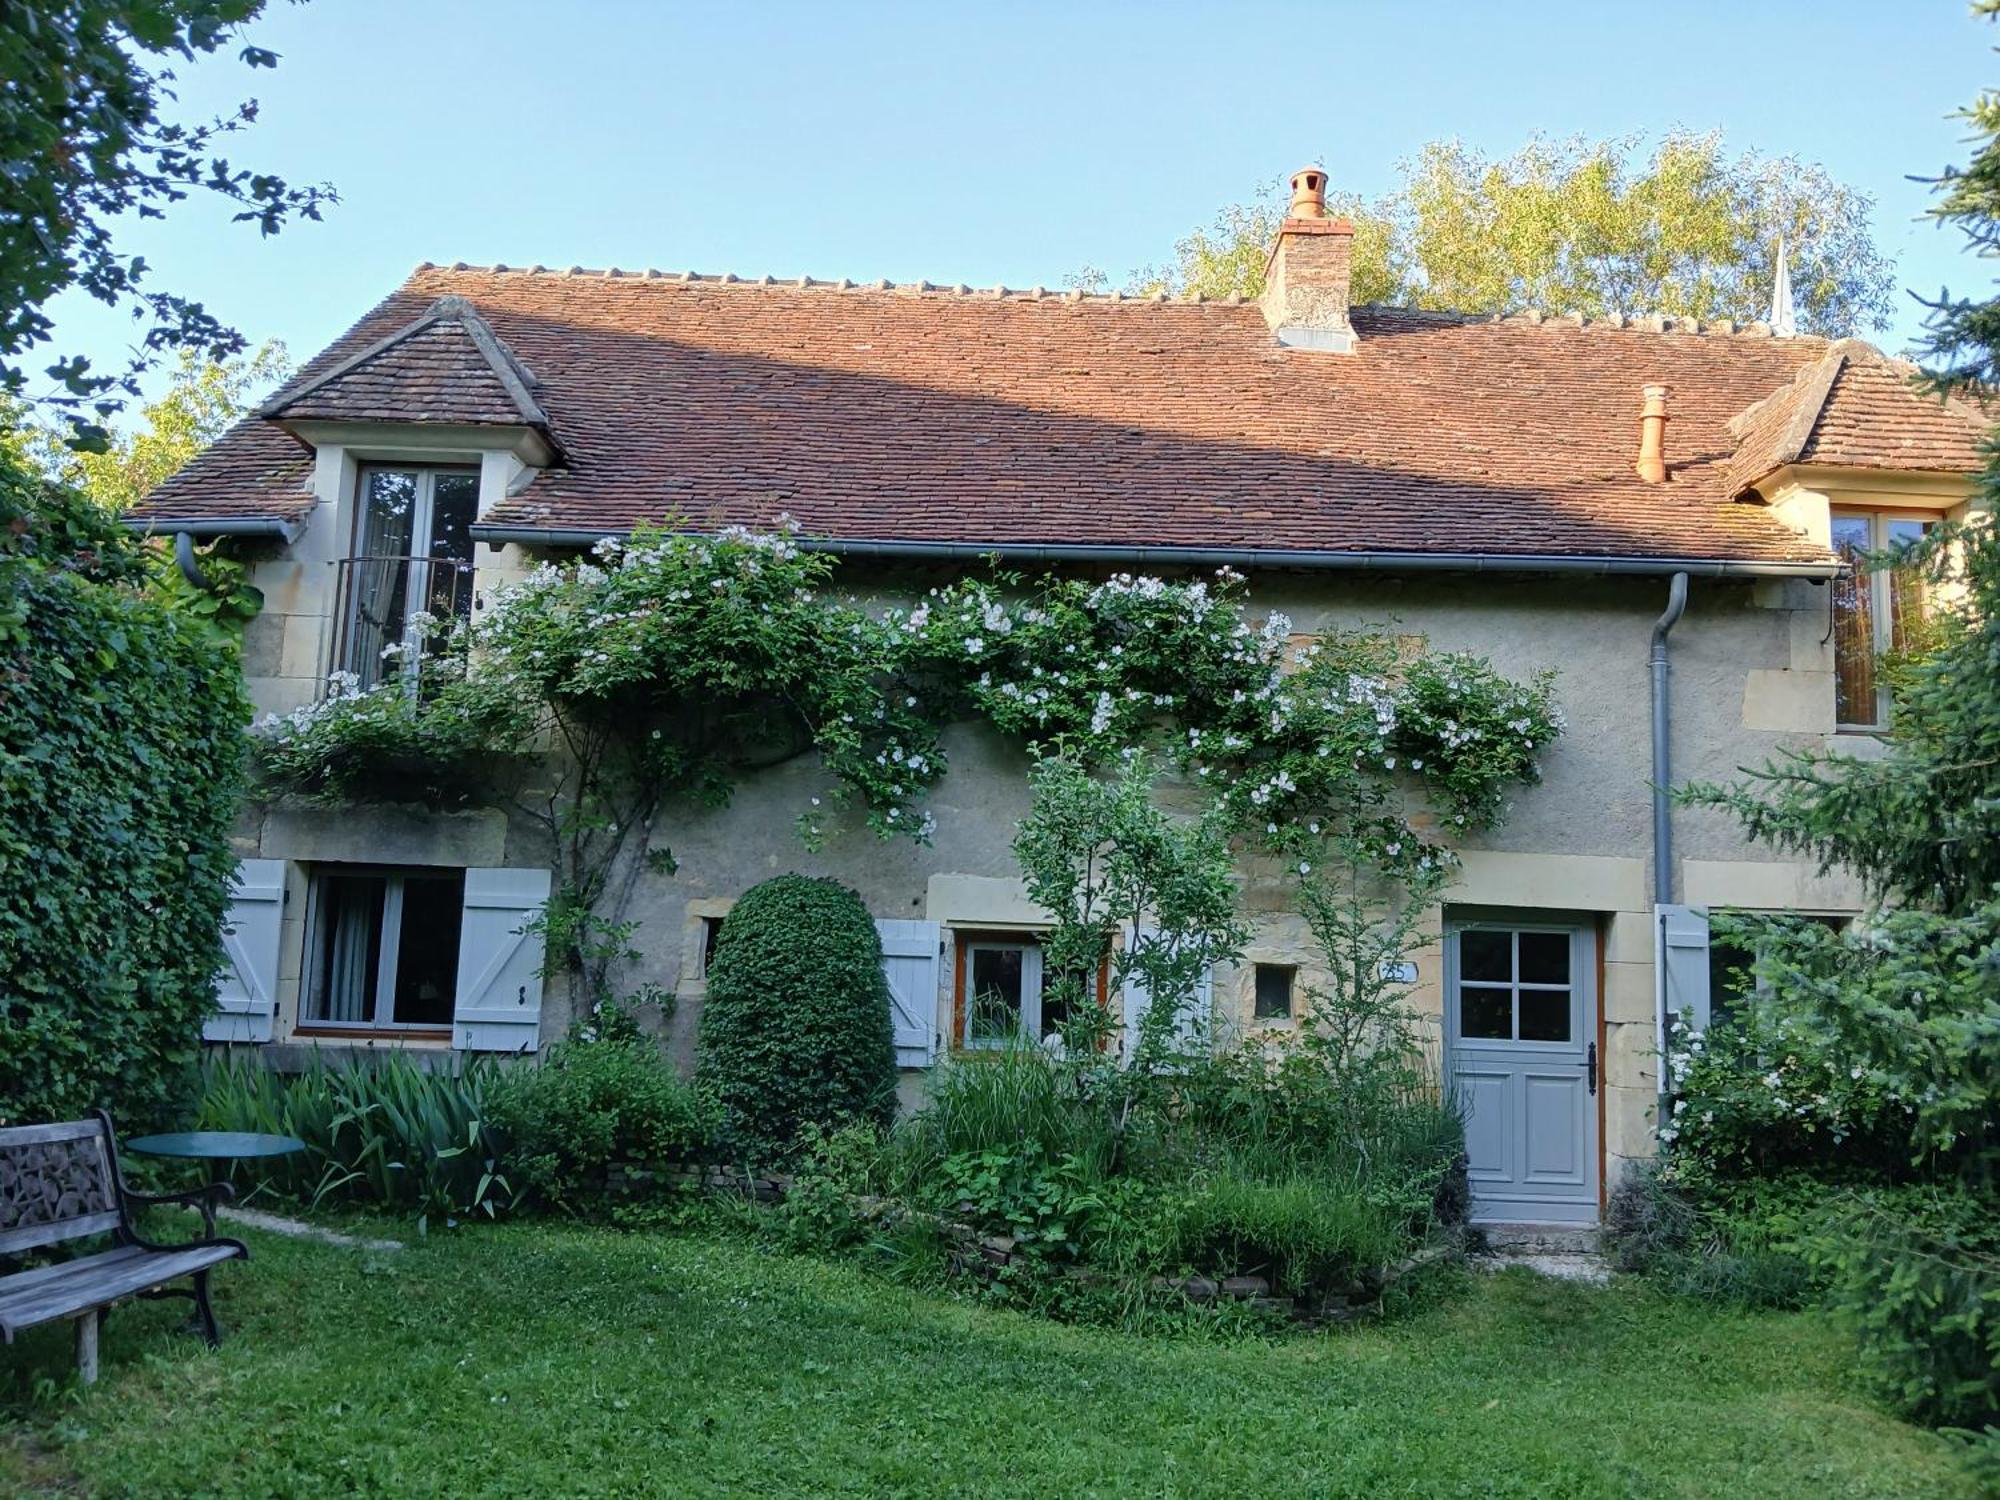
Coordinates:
[910,963]
[1684,962]
[499,1002]
[246,994]
[1189,1025]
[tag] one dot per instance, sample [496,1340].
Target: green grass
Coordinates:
[538,1360]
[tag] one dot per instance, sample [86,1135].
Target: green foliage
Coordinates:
[591,1104]
[204,398]
[1923,1288]
[453,738]
[795,1029]
[387,1131]
[83,125]
[835,1168]
[1594,227]
[120,773]
[1097,854]
[1305,1238]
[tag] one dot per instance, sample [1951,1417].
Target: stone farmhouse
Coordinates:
[1663,512]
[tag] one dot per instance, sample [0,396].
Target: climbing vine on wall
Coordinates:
[667,668]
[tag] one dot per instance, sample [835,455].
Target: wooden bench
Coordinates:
[62,1182]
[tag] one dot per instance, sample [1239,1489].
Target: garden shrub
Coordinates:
[796,1027]
[387,1131]
[121,766]
[1309,1237]
[591,1104]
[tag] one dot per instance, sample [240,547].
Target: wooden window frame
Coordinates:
[963,940]
[423,520]
[394,877]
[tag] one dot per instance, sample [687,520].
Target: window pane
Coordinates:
[1485,1011]
[993,1008]
[1545,958]
[1906,588]
[1854,626]
[427,956]
[1274,990]
[1486,955]
[1730,981]
[1545,1015]
[388,512]
[349,948]
[454,503]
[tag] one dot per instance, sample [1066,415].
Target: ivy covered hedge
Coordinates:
[121,766]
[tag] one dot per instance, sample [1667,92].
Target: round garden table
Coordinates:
[217,1146]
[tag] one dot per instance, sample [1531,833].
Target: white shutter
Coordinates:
[1684,962]
[499,1003]
[910,963]
[1187,1025]
[246,995]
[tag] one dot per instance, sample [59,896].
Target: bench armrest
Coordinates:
[204,1198]
[222,1192]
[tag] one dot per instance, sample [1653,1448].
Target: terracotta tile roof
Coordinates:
[1854,408]
[1022,419]
[1875,418]
[447,366]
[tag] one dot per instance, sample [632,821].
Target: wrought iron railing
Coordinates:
[378,596]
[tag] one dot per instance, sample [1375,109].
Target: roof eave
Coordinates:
[498,534]
[285,528]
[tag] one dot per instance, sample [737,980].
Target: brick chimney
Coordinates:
[1306,278]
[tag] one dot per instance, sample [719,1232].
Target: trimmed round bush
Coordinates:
[796,1028]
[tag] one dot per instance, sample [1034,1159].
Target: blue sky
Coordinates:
[1010,144]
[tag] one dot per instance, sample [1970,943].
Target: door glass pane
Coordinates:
[1486,955]
[427,958]
[1545,958]
[1545,1015]
[993,1008]
[348,948]
[1485,1011]
[379,576]
[454,503]
[1853,626]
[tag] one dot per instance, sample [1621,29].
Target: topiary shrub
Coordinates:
[796,1027]
[121,766]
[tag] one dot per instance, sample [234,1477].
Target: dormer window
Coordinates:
[412,556]
[1876,610]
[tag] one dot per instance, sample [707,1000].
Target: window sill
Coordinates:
[373,1033]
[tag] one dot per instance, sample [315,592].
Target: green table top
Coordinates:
[215,1145]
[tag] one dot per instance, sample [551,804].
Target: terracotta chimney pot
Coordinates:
[1308,194]
[1652,464]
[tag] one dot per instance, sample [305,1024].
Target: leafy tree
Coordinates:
[83,131]
[1580,226]
[204,398]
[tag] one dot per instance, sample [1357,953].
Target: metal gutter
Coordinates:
[1663,822]
[276,526]
[1215,557]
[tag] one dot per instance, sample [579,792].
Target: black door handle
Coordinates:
[1590,1067]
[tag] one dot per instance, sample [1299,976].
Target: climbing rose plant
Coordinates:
[666,668]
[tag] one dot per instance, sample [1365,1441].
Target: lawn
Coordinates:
[533,1360]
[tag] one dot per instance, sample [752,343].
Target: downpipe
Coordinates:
[1663,825]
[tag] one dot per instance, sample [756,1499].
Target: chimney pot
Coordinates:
[1308,193]
[1652,464]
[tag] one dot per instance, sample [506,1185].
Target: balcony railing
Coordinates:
[379,595]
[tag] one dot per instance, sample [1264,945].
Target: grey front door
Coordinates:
[1521,1033]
